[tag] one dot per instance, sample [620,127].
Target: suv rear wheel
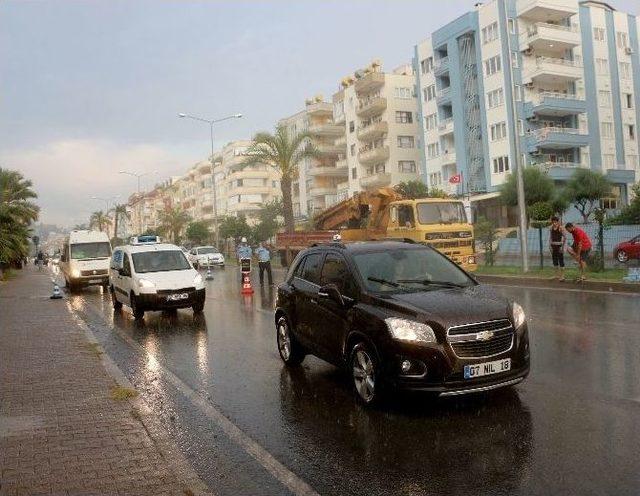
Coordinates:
[290,351]
[363,365]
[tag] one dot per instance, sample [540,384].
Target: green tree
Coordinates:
[268,220]
[437,193]
[17,212]
[485,233]
[283,151]
[198,232]
[585,189]
[631,213]
[538,187]
[412,190]
[119,212]
[172,221]
[540,214]
[234,227]
[99,220]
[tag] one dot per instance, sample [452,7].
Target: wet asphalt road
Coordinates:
[573,427]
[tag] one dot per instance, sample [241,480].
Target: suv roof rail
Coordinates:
[399,240]
[335,244]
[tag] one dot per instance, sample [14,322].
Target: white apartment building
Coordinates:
[315,188]
[382,141]
[553,84]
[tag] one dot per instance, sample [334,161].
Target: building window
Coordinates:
[630,131]
[490,33]
[628,98]
[352,150]
[625,70]
[599,34]
[354,173]
[433,150]
[380,169]
[403,92]
[426,65]
[406,142]
[500,165]
[352,126]
[495,98]
[520,127]
[403,117]
[430,122]
[406,166]
[429,93]
[513,26]
[492,65]
[514,60]
[604,98]
[498,131]
[518,91]
[608,161]
[623,39]
[602,66]
[606,128]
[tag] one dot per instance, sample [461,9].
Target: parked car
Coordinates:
[399,315]
[628,250]
[206,256]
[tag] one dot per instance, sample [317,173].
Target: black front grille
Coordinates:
[492,325]
[449,244]
[478,349]
[172,291]
[97,272]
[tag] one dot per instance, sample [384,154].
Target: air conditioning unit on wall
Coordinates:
[628,51]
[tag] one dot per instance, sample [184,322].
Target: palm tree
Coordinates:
[17,211]
[283,151]
[99,220]
[120,211]
[173,220]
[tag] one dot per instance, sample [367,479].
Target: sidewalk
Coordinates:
[61,431]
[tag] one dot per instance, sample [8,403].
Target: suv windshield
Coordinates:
[441,213]
[83,251]
[207,251]
[409,269]
[159,261]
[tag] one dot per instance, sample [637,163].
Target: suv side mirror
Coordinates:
[331,292]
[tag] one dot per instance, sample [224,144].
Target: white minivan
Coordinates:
[147,275]
[84,260]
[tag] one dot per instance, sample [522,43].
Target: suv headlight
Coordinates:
[145,283]
[197,280]
[518,315]
[410,331]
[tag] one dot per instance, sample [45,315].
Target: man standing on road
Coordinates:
[264,263]
[557,241]
[243,252]
[580,249]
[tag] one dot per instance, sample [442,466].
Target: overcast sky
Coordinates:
[91,87]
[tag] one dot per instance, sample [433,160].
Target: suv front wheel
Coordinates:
[363,365]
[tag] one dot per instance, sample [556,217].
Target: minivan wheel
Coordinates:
[138,313]
[622,256]
[290,351]
[364,373]
[116,304]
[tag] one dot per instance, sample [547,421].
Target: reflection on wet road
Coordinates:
[572,427]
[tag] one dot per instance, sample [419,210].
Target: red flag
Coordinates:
[457,179]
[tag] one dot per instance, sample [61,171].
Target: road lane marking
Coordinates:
[287,478]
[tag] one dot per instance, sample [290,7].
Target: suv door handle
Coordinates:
[313,301]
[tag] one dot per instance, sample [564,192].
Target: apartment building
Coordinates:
[315,188]
[553,84]
[145,208]
[382,140]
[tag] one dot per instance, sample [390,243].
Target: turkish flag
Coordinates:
[457,179]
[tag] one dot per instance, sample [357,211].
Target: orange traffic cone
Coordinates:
[247,289]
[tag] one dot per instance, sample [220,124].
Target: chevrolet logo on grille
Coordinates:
[484,335]
[94,272]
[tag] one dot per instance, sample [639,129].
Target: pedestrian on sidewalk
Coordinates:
[264,263]
[243,252]
[580,249]
[557,243]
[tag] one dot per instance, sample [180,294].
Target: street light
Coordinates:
[138,175]
[211,122]
[106,200]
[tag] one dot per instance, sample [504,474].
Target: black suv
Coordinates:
[402,315]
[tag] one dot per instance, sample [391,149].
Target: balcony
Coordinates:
[376,180]
[373,155]
[443,96]
[448,157]
[548,70]
[327,149]
[342,165]
[328,170]
[441,66]
[557,104]
[326,129]
[244,207]
[446,126]
[369,83]
[550,37]
[373,130]
[252,190]
[557,138]
[204,168]
[547,10]
[320,109]
[371,106]
[246,173]
[341,142]
[322,191]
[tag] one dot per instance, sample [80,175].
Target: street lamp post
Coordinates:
[138,175]
[211,122]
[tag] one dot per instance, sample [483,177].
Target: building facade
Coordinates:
[553,84]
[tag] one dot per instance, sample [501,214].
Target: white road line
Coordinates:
[290,480]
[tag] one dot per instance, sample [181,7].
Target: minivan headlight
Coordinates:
[197,280]
[410,331]
[75,273]
[518,315]
[145,283]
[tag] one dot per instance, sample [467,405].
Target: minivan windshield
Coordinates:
[160,261]
[84,251]
[207,250]
[409,269]
[441,213]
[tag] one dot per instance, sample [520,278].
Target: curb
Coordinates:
[177,462]
[537,282]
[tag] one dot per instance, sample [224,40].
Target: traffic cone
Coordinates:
[56,292]
[247,289]
[209,276]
